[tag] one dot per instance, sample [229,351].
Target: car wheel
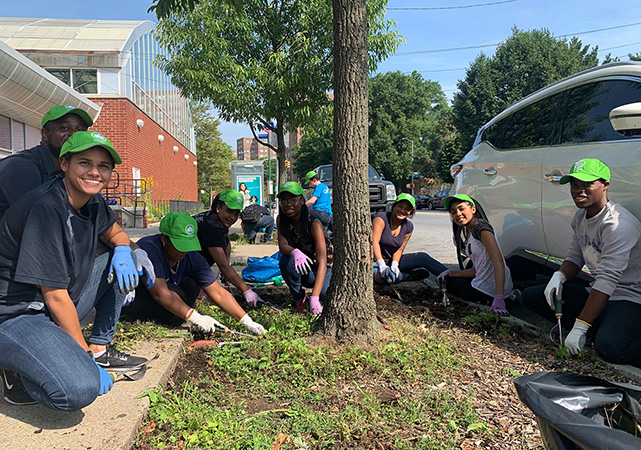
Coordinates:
[430,205]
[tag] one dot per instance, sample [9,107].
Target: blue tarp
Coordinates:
[262,270]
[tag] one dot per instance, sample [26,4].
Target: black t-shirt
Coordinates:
[19,175]
[193,265]
[45,242]
[211,233]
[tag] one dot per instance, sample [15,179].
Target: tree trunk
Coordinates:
[280,154]
[350,311]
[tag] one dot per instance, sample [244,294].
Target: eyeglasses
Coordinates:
[291,201]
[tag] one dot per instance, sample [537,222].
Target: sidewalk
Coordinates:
[113,420]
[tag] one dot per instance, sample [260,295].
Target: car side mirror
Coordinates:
[626,119]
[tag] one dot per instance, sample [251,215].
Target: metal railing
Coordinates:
[127,192]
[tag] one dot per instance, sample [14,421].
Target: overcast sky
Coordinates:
[435,30]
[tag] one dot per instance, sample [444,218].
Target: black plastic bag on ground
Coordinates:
[581,412]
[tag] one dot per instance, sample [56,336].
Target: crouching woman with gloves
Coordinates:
[181,272]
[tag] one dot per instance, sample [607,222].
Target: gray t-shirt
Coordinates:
[46,242]
[609,244]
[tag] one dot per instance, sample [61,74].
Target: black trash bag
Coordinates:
[581,412]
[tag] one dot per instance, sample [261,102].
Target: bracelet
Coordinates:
[583,321]
[188,315]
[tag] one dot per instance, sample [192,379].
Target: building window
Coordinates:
[5,133]
[85,81]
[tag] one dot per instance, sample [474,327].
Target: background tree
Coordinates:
[404,107]
[350,310]
[272,61]
[214,155]
[524,63]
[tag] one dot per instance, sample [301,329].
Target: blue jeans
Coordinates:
[55,370]
[616,333]
[296,282]
[326,219]
[410,261]
[250,229]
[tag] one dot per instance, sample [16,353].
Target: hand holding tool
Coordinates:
[252,297]
[498,305]
[251,326]
[554,288]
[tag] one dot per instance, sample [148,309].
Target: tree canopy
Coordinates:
[213,153]
[525,62]
[273,61]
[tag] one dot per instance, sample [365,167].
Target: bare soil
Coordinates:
[493,359]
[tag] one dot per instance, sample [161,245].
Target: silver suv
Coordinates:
[519,156]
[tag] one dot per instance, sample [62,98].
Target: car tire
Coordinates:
[430,205]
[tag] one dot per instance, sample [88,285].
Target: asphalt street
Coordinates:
[433,234]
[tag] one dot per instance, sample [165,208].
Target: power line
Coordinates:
[450,7]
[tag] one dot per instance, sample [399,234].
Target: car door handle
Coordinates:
[552,178]
[489,171]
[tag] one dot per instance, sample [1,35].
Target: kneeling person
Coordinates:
[181,272]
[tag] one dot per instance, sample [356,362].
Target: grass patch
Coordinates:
[279,388]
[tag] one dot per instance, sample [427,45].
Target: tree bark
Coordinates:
[350,311]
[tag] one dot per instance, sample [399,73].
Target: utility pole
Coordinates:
[411,163]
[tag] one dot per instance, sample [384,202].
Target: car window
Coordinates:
[533,125]
[588,109]
[371,174]
[325,174]
[495,132]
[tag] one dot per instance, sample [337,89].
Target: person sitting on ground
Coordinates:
[489,279]
[320,204]
[606,238]
[213,234]
[181,272]
[305,249]
[254,218]
[49,239]
[391,231]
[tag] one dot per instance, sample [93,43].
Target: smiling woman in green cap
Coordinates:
[47,257]
[606,239]
[181,273]
[213,234]
[391,231]
[489,280]
[304,248]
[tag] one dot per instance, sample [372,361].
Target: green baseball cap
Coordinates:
[292,187]
[232,198]
[83,140]
[406,197]
[62,110]
[461,197]
[587,169]
[311,174]
[182,230]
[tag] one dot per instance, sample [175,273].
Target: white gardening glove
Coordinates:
[441,276]
[205,323]
[144,266]
[554,289]
[384,270]
[130,297]
[252,326]
[251,297]
[395,271]
[577,337]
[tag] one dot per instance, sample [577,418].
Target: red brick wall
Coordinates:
[173,177]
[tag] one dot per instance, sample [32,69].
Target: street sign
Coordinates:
[262,135]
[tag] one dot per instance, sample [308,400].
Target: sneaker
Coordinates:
[301,306]
[418,274]
[14,391]
[118,361]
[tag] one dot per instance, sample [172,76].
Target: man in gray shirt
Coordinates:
[607,240]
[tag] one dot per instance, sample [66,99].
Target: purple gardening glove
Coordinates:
[302,262]
[441,276]
[251,297]
[314,305]
[498,306]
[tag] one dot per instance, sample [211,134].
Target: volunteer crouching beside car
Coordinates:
[181,272]
[606,238]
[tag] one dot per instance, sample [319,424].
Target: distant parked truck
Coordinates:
[382,193]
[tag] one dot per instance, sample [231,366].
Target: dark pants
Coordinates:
[324,218]
[145,308]
[462,288]
[616,333]
[296,282]
[251,229]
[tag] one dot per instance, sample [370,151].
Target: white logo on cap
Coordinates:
[189,229]
[578,166]
[288,184]
[69,107]
[239,197]
[98,136]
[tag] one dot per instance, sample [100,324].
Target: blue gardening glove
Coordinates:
[577,337]
[144,266]
[106,383]
[124,269]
